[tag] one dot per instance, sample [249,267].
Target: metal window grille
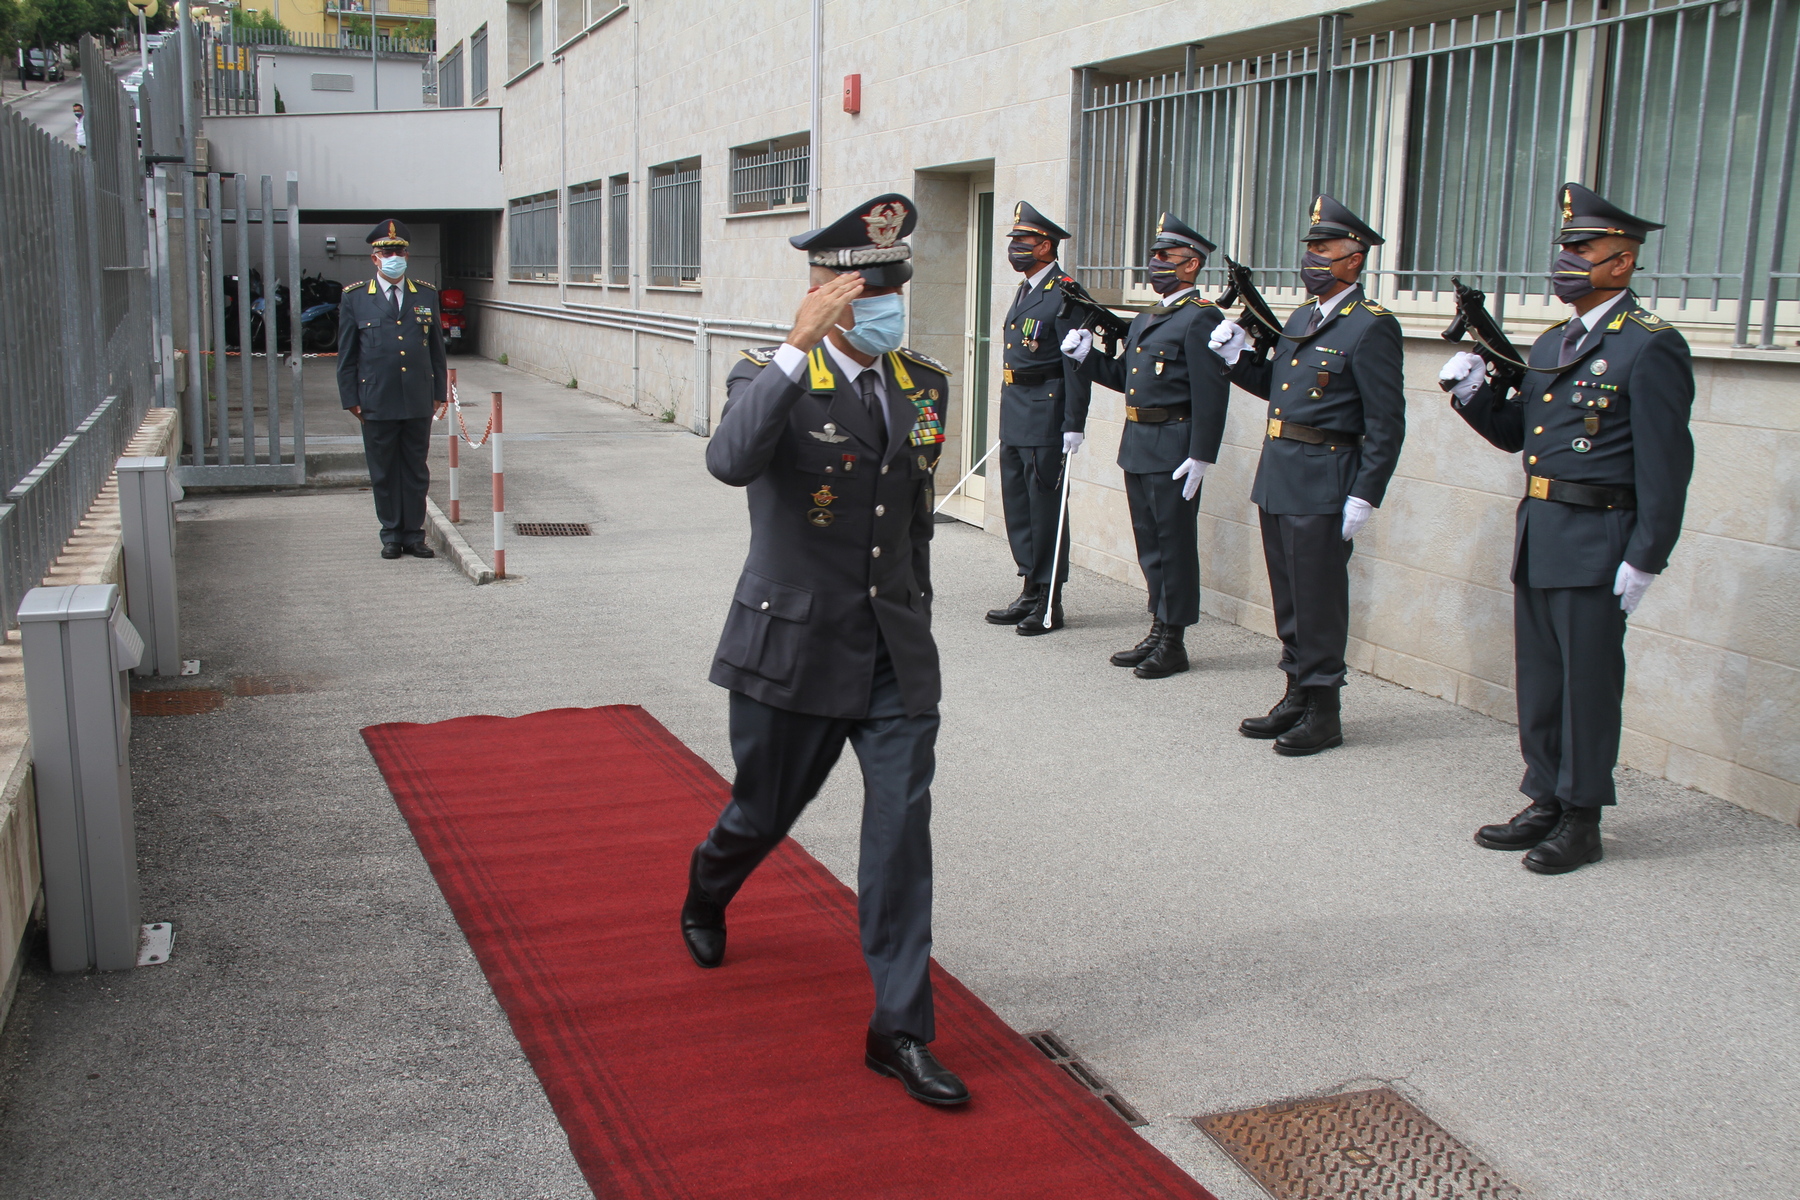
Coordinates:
[675,223]
[770,175]
[531,238]
[1450,137]
[586,206]
[478,65]
[619,229]
[450,79]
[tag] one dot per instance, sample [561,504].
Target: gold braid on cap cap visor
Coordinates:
[1595,230]
[859,256]
[390,244]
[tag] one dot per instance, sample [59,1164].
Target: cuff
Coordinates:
[789,360]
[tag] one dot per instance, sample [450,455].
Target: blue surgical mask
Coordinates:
[393,268]
[880,323]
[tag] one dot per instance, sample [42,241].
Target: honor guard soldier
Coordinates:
[392,377]
[1175,396]
[1337,416]
[1043,412]
[1602,418]
[834,435]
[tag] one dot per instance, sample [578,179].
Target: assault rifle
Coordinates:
[1079,304]
[1472,317]
[1259,320]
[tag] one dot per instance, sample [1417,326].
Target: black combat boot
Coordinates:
[1033,624]
[1531,825]
[1284,716]
[1015,612]
[1319,727]
[1575,842]
[1169,657]
[1141,651]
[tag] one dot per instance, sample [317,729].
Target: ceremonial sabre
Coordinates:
[1062,516]
[965,478]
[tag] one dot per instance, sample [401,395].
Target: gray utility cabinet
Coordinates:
[147,495]
[78,644]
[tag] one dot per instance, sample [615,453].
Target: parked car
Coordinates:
[43,64]
[152,42]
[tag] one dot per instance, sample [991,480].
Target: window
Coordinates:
[468,243]
[450,79]
[770,174]
[534,34]
[586,203]
[478,64]
[675,223]
[575,17]
[619,229]
[531,238]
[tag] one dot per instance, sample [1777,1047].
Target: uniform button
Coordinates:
[871,591]
[1293,362]
[1546,397]
[1131,391]
[875,553]
[881,510]
[1134,370]
[1532,460]
[883,468]
[1278,412]
[765,606]
[1284,387]
[1140,349]
[1539,429]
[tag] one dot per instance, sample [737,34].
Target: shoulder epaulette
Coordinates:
[1375,308]
[762,356]
[926,360]
[1649,320]
[1197,301]
[432,286]
[351,287]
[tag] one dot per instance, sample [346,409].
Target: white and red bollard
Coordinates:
[499,497]
[455,438]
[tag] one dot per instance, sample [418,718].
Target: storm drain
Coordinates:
[1058,1052]
[1371,1145]
[551,529]
[176,702]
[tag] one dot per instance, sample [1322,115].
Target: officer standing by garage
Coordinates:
[1043,413]
[1337,417]
[392,376]
[1602,416]
[1175,395]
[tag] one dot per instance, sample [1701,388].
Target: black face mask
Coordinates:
[1023,257]
[1163,279]
[1315,272]
[1570,276]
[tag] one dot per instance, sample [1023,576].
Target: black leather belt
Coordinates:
[1028,378]
[1309,435]
[1584,495]
[1156,416]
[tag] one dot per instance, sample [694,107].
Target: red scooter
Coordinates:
[454,320]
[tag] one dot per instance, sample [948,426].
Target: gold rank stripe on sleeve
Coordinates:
[822,378]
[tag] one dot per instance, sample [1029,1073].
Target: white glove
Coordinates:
[1193,470]
[1630,585]
[1072,442]
[1356,515]
[1078,343]
[1467,372]
[1228,340]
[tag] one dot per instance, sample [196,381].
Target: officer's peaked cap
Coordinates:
[1587,215]
[1331,220]
[1028,221]
[390,234]
[869,239]
[1171,230]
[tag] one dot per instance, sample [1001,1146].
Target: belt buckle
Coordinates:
[1274,428]
[1006,374]
[1538,488]
[1131,412]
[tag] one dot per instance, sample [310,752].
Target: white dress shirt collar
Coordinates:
[1593,316]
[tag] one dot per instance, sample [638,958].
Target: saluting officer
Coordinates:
[1043,413]
[1602,416]
[1337,417]
[392,376]
[834,435]
[1175,396]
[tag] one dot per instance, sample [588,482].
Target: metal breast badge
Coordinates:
[1581,445]
[820,513]
[1599,366]
[830,434]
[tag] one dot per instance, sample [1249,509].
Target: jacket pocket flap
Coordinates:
[776,599]
[1323,360]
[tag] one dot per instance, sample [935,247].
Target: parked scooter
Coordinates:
[258,337]
[319,299]
[454,320]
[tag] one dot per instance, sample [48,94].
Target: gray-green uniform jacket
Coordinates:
[392,363]
[1055,400]
[1167,361]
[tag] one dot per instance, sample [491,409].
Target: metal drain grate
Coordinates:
[176,702]
[551,529]
[1058,1052]
[1371,1145]
[271,685]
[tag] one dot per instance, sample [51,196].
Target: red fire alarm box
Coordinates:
[853,93]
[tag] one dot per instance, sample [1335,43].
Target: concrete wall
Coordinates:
[290,71]
[964,93]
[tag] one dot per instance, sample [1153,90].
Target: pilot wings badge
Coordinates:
[884,222]
[830,434]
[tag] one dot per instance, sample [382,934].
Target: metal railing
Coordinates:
[675,224]
[75,335]
[618,229]
[586,230]
[1450,137]
[762,179]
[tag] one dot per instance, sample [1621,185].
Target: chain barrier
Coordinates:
[487,433]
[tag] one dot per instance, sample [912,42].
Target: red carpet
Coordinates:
[561,841]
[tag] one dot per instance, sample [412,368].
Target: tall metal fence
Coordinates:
[75,338]
[1450,137]
[228,60]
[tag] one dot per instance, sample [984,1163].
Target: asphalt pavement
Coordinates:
[1210,925]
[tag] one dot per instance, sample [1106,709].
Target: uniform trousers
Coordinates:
[782,761]
[1167,529]
[1569,646]
[1309,582]
[399,474]
[1031,490]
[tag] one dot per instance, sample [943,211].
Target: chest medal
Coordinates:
[1598,367]
[1581,445]
[820,514]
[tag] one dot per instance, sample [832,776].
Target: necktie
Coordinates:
[1572,338]
[394,296]
[1318,317]
[868,384]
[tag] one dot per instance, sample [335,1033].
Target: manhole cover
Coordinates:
[1370,1145]
[178,702]
[1058,1052]
[551,529]
[270,685]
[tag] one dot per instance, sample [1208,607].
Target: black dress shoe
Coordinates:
[1575,842]
[911,1062]
[1319,727]
[1015,612]
[1284,716]
[390,550]
[1141,651]
[1033,624]
[1168,658]
[702,921]
[1531,825]
[419,550]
